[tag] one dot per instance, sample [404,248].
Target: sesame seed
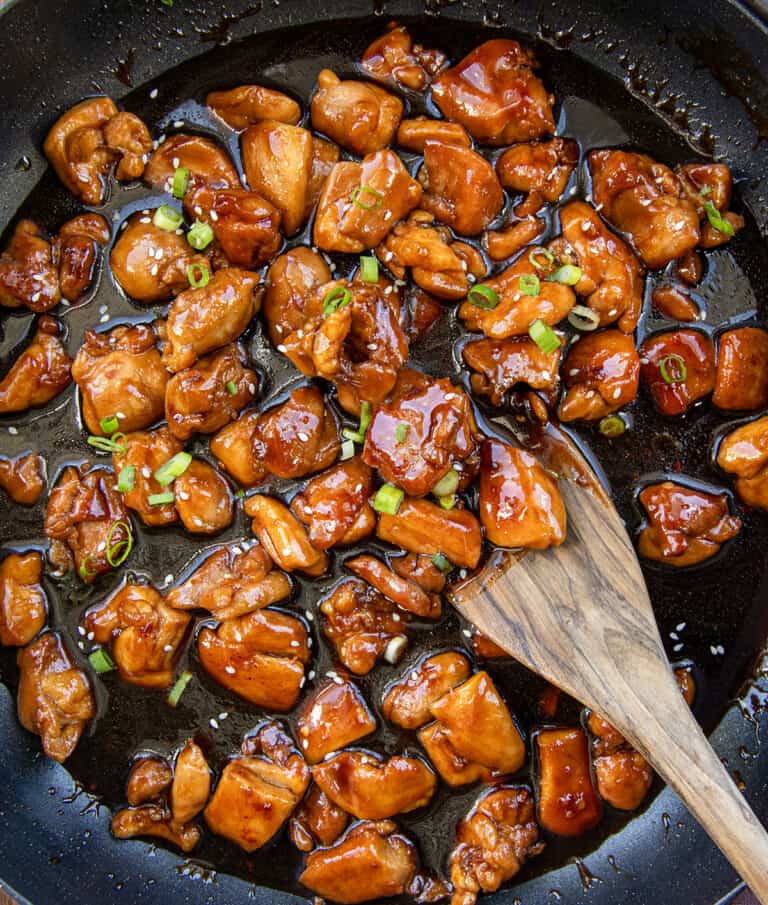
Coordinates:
[214,216]
[466,632]
[13,431]
[304,744]
[680,626]
[168,648]
[175,163]
[309,615]
[81,630]
[282,349]
[311,674]
[35,296]
[252,388]
[213,723]
[182,494]
[295,643]
[104,318]
[230,670]
[81,645]
[463,573]
[153,270]
[674,636]
[158,253]
[90,636]
[303,436]
[146,471]
[302,682]
[178,123]
[338,681]
[153,94]
[223,715]
[141,220]
[161,139]
[677,648]
[395,617]
[169,578]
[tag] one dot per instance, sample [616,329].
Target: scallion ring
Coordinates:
[167,218]
[126,480]
[369,269]
[544,336]
[347,450]
[673,369]
[232,388]
[101,661]
[568,274]
[198,282]
[441,562]
[180,182]
[110,424]
[173,468]
[108,445]
[717,220]
[174,696]
[530,284]
[388,499]
[118,552]
[367,192]
[448,484]
[582,318]
[402,431]
[447,502]
[337,298]
[84,571]
[539,252]
[482,296]
[200,235]
[160,499]
[352,436]
[612,426]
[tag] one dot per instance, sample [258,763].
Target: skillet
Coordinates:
[693,78]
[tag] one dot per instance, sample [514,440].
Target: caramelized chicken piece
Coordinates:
[423,527]
[148,780]
[145,452]
[335,505]
[85,514]
[741,381]
[246,226]
[412,134]
[420,569]
[291,286]
[424,312]
[151,264]
[362,625]
[394,58]
[191,783]
[284,537]
[407,702]
[371,788]
[231,582]
[644,199]
[28,275]
[408,595]
[40,372]
[502,365]
[154,820]
[204,319]
[203,499]
[675,304]
[460,187]
[79,241]
[504,243]
[493,842]
[259,656]
[678,368]
[371,861]
[602,374]
[623,776]
[23,477]
[22,598]
[232,446]
[690,268]
[540,170]
[744,452]
[317,821]
[55,700]
[88,139]
[516,311]
[708,186]
[568,803]
[248,104]
[120,374]
[332,718]
[520,503]
[494,94]
[145,634]
[685,526]
[361,202]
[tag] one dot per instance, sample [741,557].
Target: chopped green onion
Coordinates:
[447,502]
[582,318]
[717,220]
[366,190]
[530,284]
[85,574]
[569,274]
[447,484]
[173,468]
[536,253]
[366,416]
[482,296]
[108,444]
[441,562]
[369,269]
[232,388]
[239,493]
[101,661]
[347,450]
[198,282]
[544,336]
[388,499]
[167,2]
[352,435]
[160,499]
[612,426]
[335,299]
[200,235]
[167,218]
[402,432]
[180,182]
[118,552]
[705,190]
[178,688]
[126,480]
[109,424]
[679,364]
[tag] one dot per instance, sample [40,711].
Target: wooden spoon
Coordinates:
[580,616]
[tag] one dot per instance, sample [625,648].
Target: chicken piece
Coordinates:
[120,374]
[407,702]
[317,821]
[23,477]
[494,94]
[54,699]
[425,311]
[408,595]
[622,775]
[420,569]
[516,310]
[361,202]
[493,842]
[248,104]
[540,170]
[675,304]
[28,275]
[395,59]
[678,368]
[503,244]
[644,199]
[191,783]
[231,582]
[744,452]
[371,788]
[246,226]
[146,634]
[78,243]
[741,381]
[485,649]
[151,264]
[520,503]
[708,186]
[602,374]
[685,526]
[502,365]
[611,276]
[291,286]
[362,625]
[412,134]
[40,372]
[232,447]
[568,803]
[259,656]
[85,142]
[86,521]
[423,527]
[145,452]
[690,268]
[204,319]
[203,499]
[284,537]
[460,187]
[23,603]
[335,716]
[149,778]
[335,505]
[154,820]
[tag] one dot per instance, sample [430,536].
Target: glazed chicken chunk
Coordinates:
[741,380]
[744,452]
[246,226]
[501,365]
[203,499]
[395,58]
[678,368]
[54,698]
[145,634]
[22,598]
[155,820]
[623,776]
[149,778]
[709,187]
[248,104]
[405,593]
[146,452]
[540,170]
[335,716]
[412,134]
[317,821]
[23,477]
[290,291]
[568,802]
[284,537]
[509,240]
[407,701]
[40,372]
[601,373]
[191,783]
[675,304]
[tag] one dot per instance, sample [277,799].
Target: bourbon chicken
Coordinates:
[744,453]
[40,372]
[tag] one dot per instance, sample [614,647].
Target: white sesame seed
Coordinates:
[331,674]
[213,723]
[302,681]
[178,123]
[81,630]
[169,578]
[182,495]
[153,270]
[462,573]
[677,648]
[674,636]
[303,436]
[309,615]
[304,744]
[395,649]
[35,296]
[104,318]
[151,253]
[252,388]
[81,645]
[146,471]
[141,220]
[198,210]
[214,216]
[13,431]
[295,643]
[223,715]
[311,674]
[395,617]
[90,636]
[161,139]
[466,632]
[175,163]
[168,648]
[230,670]
[338,681]
[153,93]
[282,349]
[680,626]
[158,253]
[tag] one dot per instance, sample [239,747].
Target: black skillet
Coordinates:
[681,81]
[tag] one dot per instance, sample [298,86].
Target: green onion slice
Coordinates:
[534,257]
[335,299]
[101,661]
[717,220]
[612,426]
[118,552]
[544,336]
[178,688]
[569,274]
[84,571]
[173,468]
[447,502]
[442,563]
[232,388]
[126,480]
[673,369]
[372,198]
[366,416]
[705,190]
[388,499]
[448,484]
[167,218]
[195,281]
[239,493]
[200,235]
[402,432]
[369,269]
[352,435]
[108,444]
[582,318]
[160,499]
[482,296]
[347,450]
[109,424]
[530,284]
[180,182]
